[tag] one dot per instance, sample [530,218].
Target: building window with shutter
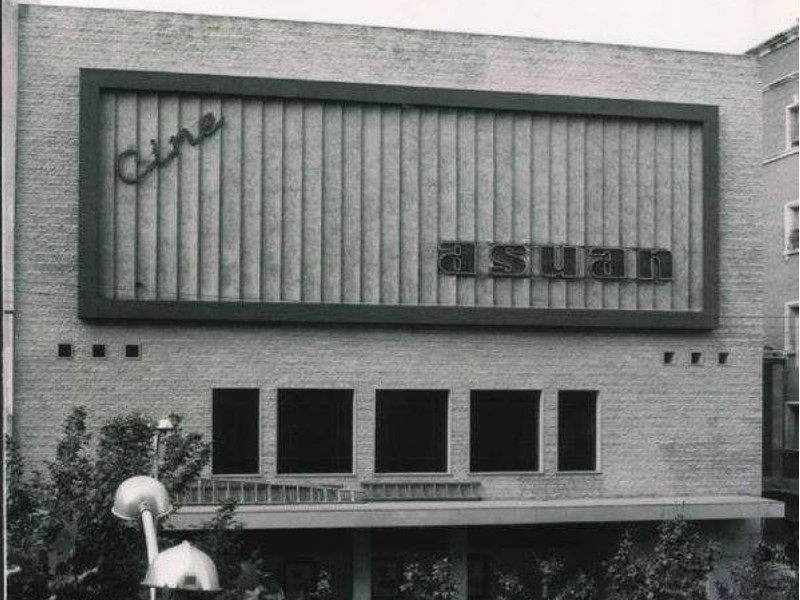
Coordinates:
[790,328]
[315,431]
[792,137]
[577,430]
[504,431]
[791,224]
[411,431]
[235,435]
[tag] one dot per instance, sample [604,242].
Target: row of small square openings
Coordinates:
[696,358]
[100,351]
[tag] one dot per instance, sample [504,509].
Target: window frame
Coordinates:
[793,107]
[787,324]
[448,436]
[260,429]
[598,461]
[539,432]
[788,221]
[354,436]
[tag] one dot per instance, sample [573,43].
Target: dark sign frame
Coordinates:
[92,306]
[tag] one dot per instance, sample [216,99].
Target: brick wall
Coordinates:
[665,429]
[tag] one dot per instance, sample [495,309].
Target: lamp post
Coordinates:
[144,498]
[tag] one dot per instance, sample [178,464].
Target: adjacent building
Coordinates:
[777,60]
[448,292]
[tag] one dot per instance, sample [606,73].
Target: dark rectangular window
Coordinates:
[315,431]
[504,430]
[577,431]
[411,431]
[235,424]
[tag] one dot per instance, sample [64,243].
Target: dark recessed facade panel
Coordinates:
[504,430]
[306,201]
[315,431]
[577,430]
[133,351]
[98,350]
[235,436]
[411,431]
[65,351]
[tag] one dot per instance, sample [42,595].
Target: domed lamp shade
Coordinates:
[183,567]
[141,493]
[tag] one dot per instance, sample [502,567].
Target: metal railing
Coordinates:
[425,490]
[215,491]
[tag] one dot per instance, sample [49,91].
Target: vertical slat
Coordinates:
[576,201]
[125,233]
[231,200]
[663,209]
[167,210]
[409,205]
[332,203]
[629,217]
[189,203]
[503,197]
[209,247]
[292,201]
[147,206]
[252,178]
[696,218]
[540,200]
[594,218]
[680,217]
[611,201]
[447,198]
[521,195]
[429,205]
[371,209]
[272,211]
[466,177]
[108,188]
[351,205]
[390,206]
[646,208]
[312,204]
[558,200]
[484,197]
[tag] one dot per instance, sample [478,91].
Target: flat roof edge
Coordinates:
[497,512]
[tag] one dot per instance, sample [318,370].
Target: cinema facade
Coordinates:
[424,291]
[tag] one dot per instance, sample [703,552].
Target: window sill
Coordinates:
[414,475]
[784,154]
[313,475]
[578,473]
[238,475]
[503,473]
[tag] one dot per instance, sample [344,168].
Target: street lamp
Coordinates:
[183,567]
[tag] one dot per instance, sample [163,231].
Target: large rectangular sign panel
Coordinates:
[225,198]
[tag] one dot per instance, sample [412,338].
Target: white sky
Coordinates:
[709,25]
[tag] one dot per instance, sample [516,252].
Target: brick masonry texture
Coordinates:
[693,430]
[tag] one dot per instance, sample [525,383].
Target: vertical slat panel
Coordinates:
[429,205]
[484,197]
[696,218]
[351,207]
[127,195]
[576,201]
[231,200]
[503,209]
[558,200]
[663,210]
[252,179]
[594,218]
[646,208]
[292,201]
[332,203]
[108,187]
[273,201]
[167,210]
[390,206]
[409,205]
[448,199]
[147,206]
[521,199]
[189,204]
[466,176]
[612,216]
[629,230]
[371,206]
[540,200]
[311,244]
[209,246]
[680,217]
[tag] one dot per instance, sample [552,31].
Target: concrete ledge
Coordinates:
[491,512]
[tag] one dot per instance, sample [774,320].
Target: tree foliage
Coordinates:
[767,574]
